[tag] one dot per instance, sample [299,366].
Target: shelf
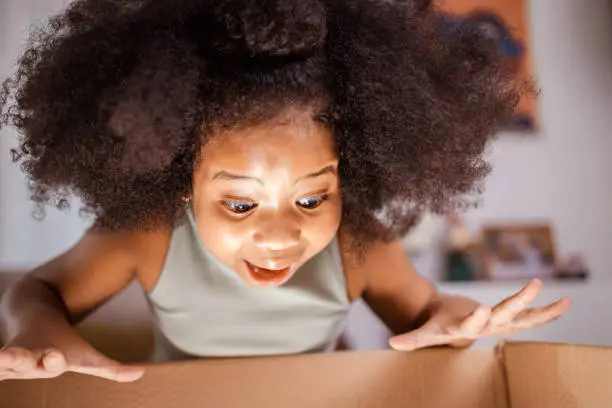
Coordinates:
[578,283]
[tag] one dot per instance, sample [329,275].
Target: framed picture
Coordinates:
[519,252]
[506,22]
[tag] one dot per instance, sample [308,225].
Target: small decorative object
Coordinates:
[459,238]
[459,252]
[519,252]
[573,267]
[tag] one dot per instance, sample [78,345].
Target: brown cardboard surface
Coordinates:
[131,344]
[521,375]
[542,375]
[383,379]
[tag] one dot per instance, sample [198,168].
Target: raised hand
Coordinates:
[458,321]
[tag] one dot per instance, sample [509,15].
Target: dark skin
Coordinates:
[37,313]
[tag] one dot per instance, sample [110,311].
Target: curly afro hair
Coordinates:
[114,99]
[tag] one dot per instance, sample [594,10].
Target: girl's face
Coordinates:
[267,198]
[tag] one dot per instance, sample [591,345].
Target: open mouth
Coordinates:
[269,277]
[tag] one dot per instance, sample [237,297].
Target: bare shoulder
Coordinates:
[101,264]
[370,267]
[354,270]
[385,278]
[151,249]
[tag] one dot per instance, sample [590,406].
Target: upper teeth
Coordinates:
[259,270]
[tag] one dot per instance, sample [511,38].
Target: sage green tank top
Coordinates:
[203,308]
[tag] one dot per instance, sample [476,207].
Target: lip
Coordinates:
[274,276]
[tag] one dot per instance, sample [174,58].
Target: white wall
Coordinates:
[23,240]
[561,175]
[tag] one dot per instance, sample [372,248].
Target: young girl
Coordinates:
[252,164]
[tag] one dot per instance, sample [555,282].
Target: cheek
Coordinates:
[222,236]
[321,229]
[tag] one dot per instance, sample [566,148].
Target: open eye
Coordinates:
[310,203]
[238,206]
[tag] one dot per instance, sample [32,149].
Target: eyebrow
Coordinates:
[224,175]
[325,170]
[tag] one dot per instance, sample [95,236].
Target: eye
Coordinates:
[238,207]
[310,203]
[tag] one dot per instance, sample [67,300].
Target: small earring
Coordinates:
[186,198]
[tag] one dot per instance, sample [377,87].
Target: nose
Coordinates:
[277,234]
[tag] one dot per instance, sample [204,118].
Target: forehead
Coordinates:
[294,141]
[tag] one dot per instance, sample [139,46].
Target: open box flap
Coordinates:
[425,379]
[547,375]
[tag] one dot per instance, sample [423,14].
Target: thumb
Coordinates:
[428,335]
[53,360]
[98,365]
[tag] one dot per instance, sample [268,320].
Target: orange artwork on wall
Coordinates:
[505,21]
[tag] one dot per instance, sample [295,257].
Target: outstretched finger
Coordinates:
[475,322]
[6,358]
[505,311]
[111,371]
[541,315]
[18,360]
[428,335]
[53,361]
[19,363]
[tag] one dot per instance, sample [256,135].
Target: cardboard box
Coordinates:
[521,375]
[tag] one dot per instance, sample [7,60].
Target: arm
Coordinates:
[419,316]
[68,288]
[37,313]
[391,287]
